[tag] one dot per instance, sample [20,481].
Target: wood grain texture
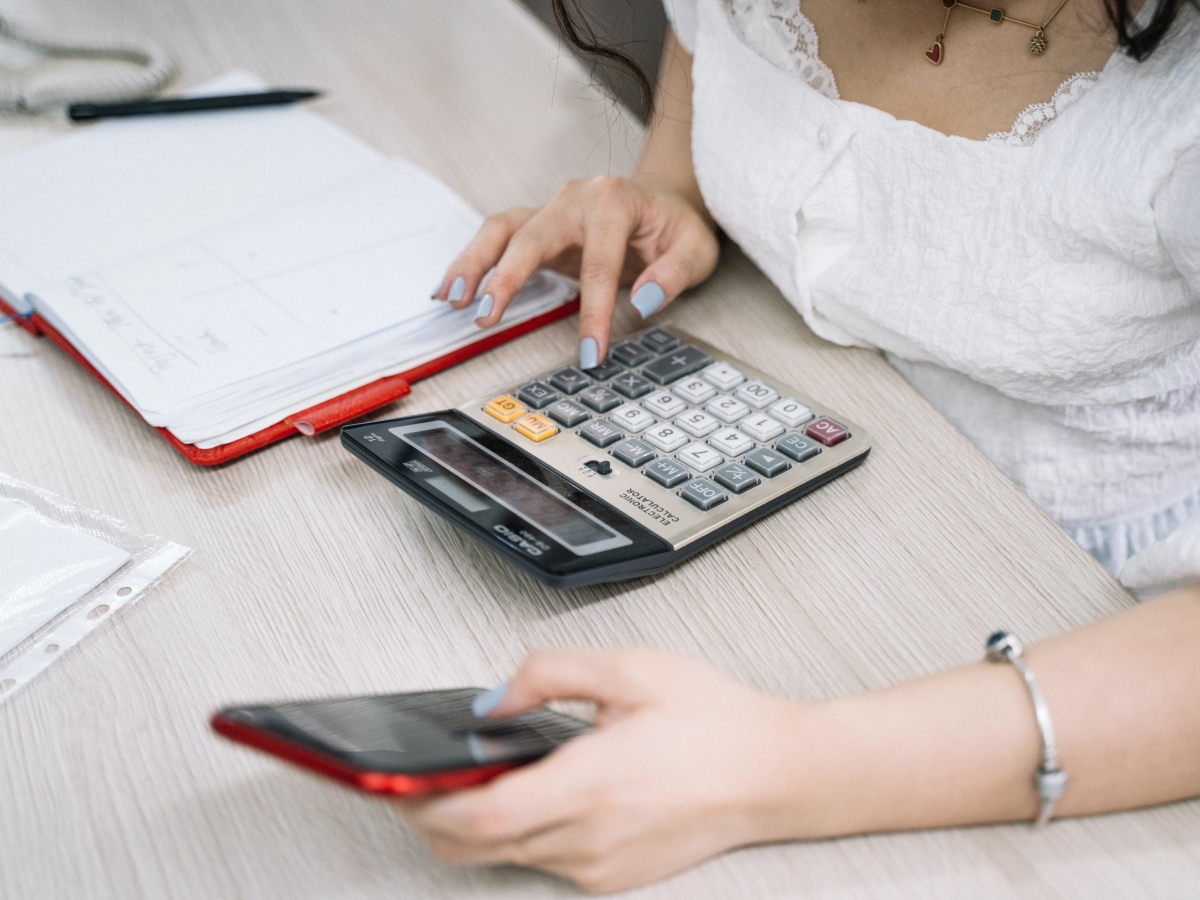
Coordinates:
[312,576]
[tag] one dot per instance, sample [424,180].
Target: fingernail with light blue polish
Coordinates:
[589,353]
[485,306]
[648,298]
[437,290]
[459,288]
[488,700]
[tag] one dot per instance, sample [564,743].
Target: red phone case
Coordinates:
[373,782]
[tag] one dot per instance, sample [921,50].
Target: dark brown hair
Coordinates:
[580,32]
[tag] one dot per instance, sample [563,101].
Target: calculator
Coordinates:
[584,476]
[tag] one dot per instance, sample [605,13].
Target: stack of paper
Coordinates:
[225,270]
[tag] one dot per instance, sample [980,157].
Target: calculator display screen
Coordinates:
[575,529]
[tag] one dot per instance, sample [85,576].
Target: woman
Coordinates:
[1007,203]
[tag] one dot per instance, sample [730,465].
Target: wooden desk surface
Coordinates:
[312,576]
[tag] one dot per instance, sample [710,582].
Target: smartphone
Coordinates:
[400,744]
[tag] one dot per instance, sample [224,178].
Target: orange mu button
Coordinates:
[504,408]
[535,427]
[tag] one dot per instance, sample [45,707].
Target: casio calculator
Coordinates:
[595,475]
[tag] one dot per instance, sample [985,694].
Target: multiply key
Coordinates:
[674,365]
[632,385]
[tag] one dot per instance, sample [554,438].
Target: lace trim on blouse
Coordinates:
[783,35]
[1036,116]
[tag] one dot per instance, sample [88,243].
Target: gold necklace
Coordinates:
[1037,43]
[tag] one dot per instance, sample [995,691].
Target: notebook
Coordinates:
[241,276]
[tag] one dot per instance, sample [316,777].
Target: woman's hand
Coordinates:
[683,764]
[607,232]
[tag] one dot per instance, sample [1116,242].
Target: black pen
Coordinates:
[82,112]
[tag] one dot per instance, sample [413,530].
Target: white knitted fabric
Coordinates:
[1044,294]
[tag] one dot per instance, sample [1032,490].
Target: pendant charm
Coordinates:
[1037,43]
[934,53]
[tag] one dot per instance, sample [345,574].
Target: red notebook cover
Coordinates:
[323,416]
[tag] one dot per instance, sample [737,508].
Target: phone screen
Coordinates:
[411,733]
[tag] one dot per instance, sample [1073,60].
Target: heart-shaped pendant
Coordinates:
[934,53]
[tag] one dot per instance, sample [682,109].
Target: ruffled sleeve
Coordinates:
[1177,213]
[1171,563]
[682,14]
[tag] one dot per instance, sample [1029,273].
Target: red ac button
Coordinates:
[827,431]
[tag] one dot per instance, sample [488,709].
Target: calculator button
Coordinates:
[535,427]
[665,437]
[504,408]
[736,477]
[659,340]
[700,456]
[674,365]
[631,385]
[664,404]
[728,409]
[827,431]
[694,390]
[730,441]
[627,353]
[797,446]
[790,412]
[697,422]
[567,413]
[723,375]
[537,394]
[569,380]
[606,370]
[631,417]
[601,399]
[761,427]
[757,394]
[703,493]
[601,432]
[666,472]
[765,462]
[633,452]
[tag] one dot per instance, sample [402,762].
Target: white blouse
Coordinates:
[1041,288]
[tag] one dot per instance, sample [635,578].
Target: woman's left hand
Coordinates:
[683,764]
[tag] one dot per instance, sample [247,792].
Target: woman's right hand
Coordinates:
[608,232]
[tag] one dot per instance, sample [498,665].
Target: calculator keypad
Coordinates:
[767,462]
[697,423]
[674,365]
[631,417]
[723,376]
[667,472]
[569,380]
[757,394]
[601,432]
[694,390]
[631,385]
[665,436]
[736,477]
[700,456]
[700,428]
[703,493]
[567,413]
[537,394]
[664,404]
[601,399]
[761,427]
[633,453]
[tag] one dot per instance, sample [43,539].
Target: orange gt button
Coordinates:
[504,408]
[535,427]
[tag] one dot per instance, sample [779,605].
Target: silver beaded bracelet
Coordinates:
[1050,780]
